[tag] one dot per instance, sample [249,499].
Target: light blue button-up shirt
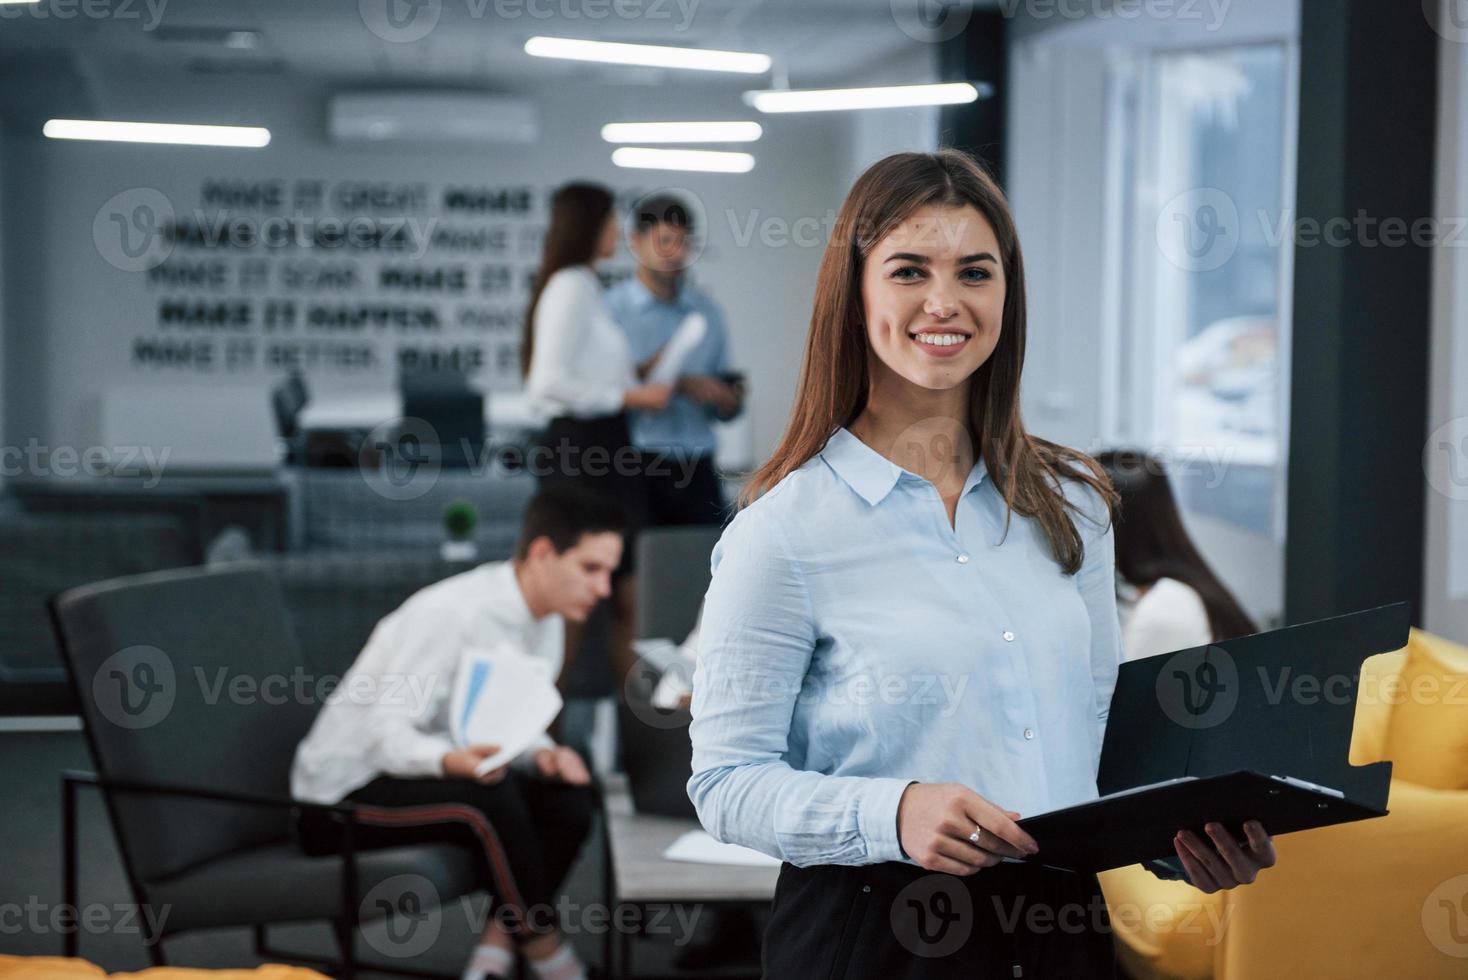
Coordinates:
[649,323]
[853,642]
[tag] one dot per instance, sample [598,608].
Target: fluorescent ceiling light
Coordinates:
[886,97]
[682,132]
[134,132]
[17,2]
[651,55]
[712,161]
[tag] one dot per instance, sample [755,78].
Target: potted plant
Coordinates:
[459,521]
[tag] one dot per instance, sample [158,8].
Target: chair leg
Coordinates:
[346,941]
[69,887]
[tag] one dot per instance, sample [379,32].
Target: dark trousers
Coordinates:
[526,831]
[682,490]
[896,921]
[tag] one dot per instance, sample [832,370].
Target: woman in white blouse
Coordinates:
[580,378]
[1168,597]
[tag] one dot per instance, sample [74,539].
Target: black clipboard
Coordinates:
[1257,727]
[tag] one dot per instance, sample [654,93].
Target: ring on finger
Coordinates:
[974,837]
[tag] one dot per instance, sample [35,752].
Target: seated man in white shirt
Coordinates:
[392,755]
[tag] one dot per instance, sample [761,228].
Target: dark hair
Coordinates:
[832,392]
[656,209]
[564,515]
[578,214]
[1152,543]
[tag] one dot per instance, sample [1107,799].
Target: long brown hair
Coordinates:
[834,378]
[1153,543]
[578,215]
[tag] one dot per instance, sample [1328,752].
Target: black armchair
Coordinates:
[195,768]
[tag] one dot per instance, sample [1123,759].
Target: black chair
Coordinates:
[673,575]
[196,779]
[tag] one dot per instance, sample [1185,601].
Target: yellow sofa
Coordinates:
[1382,898]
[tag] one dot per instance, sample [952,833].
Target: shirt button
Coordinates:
[1029,733]
[1008,636]
[963,558]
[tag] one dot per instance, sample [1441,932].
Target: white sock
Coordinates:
[560,965]
[489,961]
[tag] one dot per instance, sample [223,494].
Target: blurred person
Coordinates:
[394,758]
[580,375]
[909,526]
[1168,598]
[677,443]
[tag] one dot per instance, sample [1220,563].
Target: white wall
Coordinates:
[79,315]
[1446,552]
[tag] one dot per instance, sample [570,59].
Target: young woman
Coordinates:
[1168,596]
[911,637]
[580,375]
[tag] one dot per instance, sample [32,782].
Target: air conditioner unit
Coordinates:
[431,117]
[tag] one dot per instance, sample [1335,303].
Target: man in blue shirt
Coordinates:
[677,443]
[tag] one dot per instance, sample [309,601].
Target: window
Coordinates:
[1200,197]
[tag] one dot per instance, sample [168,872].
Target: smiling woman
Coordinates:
[909,527]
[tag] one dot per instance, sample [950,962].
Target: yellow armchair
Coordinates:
[1377,898]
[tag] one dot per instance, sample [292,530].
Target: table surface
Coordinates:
[642,875]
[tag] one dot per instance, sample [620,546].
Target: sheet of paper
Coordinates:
[689,335]
[501,697]
[697,847]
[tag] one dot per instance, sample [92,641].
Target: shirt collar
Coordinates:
[873,475]
[643,298]
[512,607]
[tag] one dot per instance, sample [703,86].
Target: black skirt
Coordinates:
[596,455]
[895,921]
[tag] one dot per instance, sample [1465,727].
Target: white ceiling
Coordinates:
[470,43]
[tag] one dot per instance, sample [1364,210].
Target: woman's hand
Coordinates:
[1220,862]
[934,821]
[648,398]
